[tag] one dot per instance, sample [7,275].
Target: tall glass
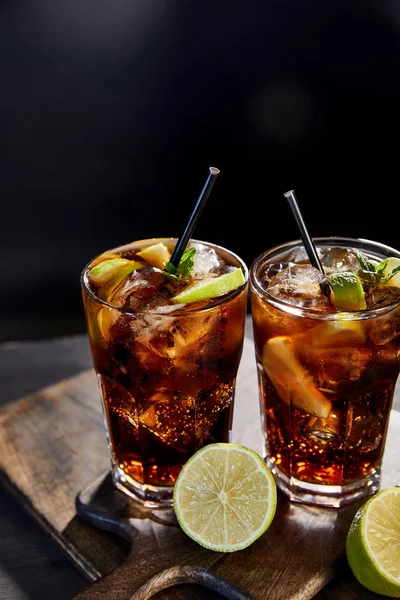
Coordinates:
[326,378]
[167,375]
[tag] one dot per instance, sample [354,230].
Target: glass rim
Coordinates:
[173,313]
[314,313]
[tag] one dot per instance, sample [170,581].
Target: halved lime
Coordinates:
[348,291]
[373,543]
[155,255]
[211,287]
[292,382]
[225,497]
[393,263]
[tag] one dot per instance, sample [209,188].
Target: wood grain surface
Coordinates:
[52,445]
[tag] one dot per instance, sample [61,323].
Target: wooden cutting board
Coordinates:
[54,457]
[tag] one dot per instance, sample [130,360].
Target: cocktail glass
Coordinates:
[167,372]
[326,377]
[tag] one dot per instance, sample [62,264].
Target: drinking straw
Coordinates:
[194,217]
[307,241]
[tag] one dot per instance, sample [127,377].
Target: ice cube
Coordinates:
[206,261]
[365,426]
[377,296]
[209,407]
[299,285]
[300,255]
[171,418]
[139,289]
[341,259]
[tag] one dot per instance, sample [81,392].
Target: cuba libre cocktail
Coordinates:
[327,365]
[167,368]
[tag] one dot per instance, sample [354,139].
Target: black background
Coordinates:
[112,112]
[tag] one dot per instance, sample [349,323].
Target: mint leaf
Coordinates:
[374,272]
[391,274]
[368,267]
[366,263]
[186,263]
[184,269]
[170,270]
[381,267]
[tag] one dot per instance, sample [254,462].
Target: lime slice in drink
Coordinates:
[225,497]
[118,274]
[292,382]
[104,271]
[107,270]
[106,317]
[372,545]
[211,287]
[393,263]
[155,255]
[332,334]
[348,291]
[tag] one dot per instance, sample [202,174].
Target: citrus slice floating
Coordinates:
[335,333]
[292,382]
[104,271]
[117,275]
[348,291]
[225,497]
[393,263]
[211,287]
[106,317]
[155,255]
[373,543]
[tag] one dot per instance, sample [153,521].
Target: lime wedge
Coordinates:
[107,289]
[211,287]
[106,317]
[155,255]
[225,497]
[105,271]
[393,263]
[292,382]
[372,545]
[348,291]
[335,333]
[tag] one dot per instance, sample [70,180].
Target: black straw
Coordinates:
[307,241]
[194,217]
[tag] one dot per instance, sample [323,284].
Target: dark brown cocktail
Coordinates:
[326,374]
[167,368]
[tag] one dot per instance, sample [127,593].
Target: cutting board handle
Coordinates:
[187,574]
[117,585]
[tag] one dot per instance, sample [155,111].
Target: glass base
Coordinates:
[333,496]
[149,496]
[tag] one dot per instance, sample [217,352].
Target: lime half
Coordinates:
[225,497]
[348,291]
[373,543]
[211,287]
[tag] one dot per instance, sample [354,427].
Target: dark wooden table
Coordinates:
[31,565]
